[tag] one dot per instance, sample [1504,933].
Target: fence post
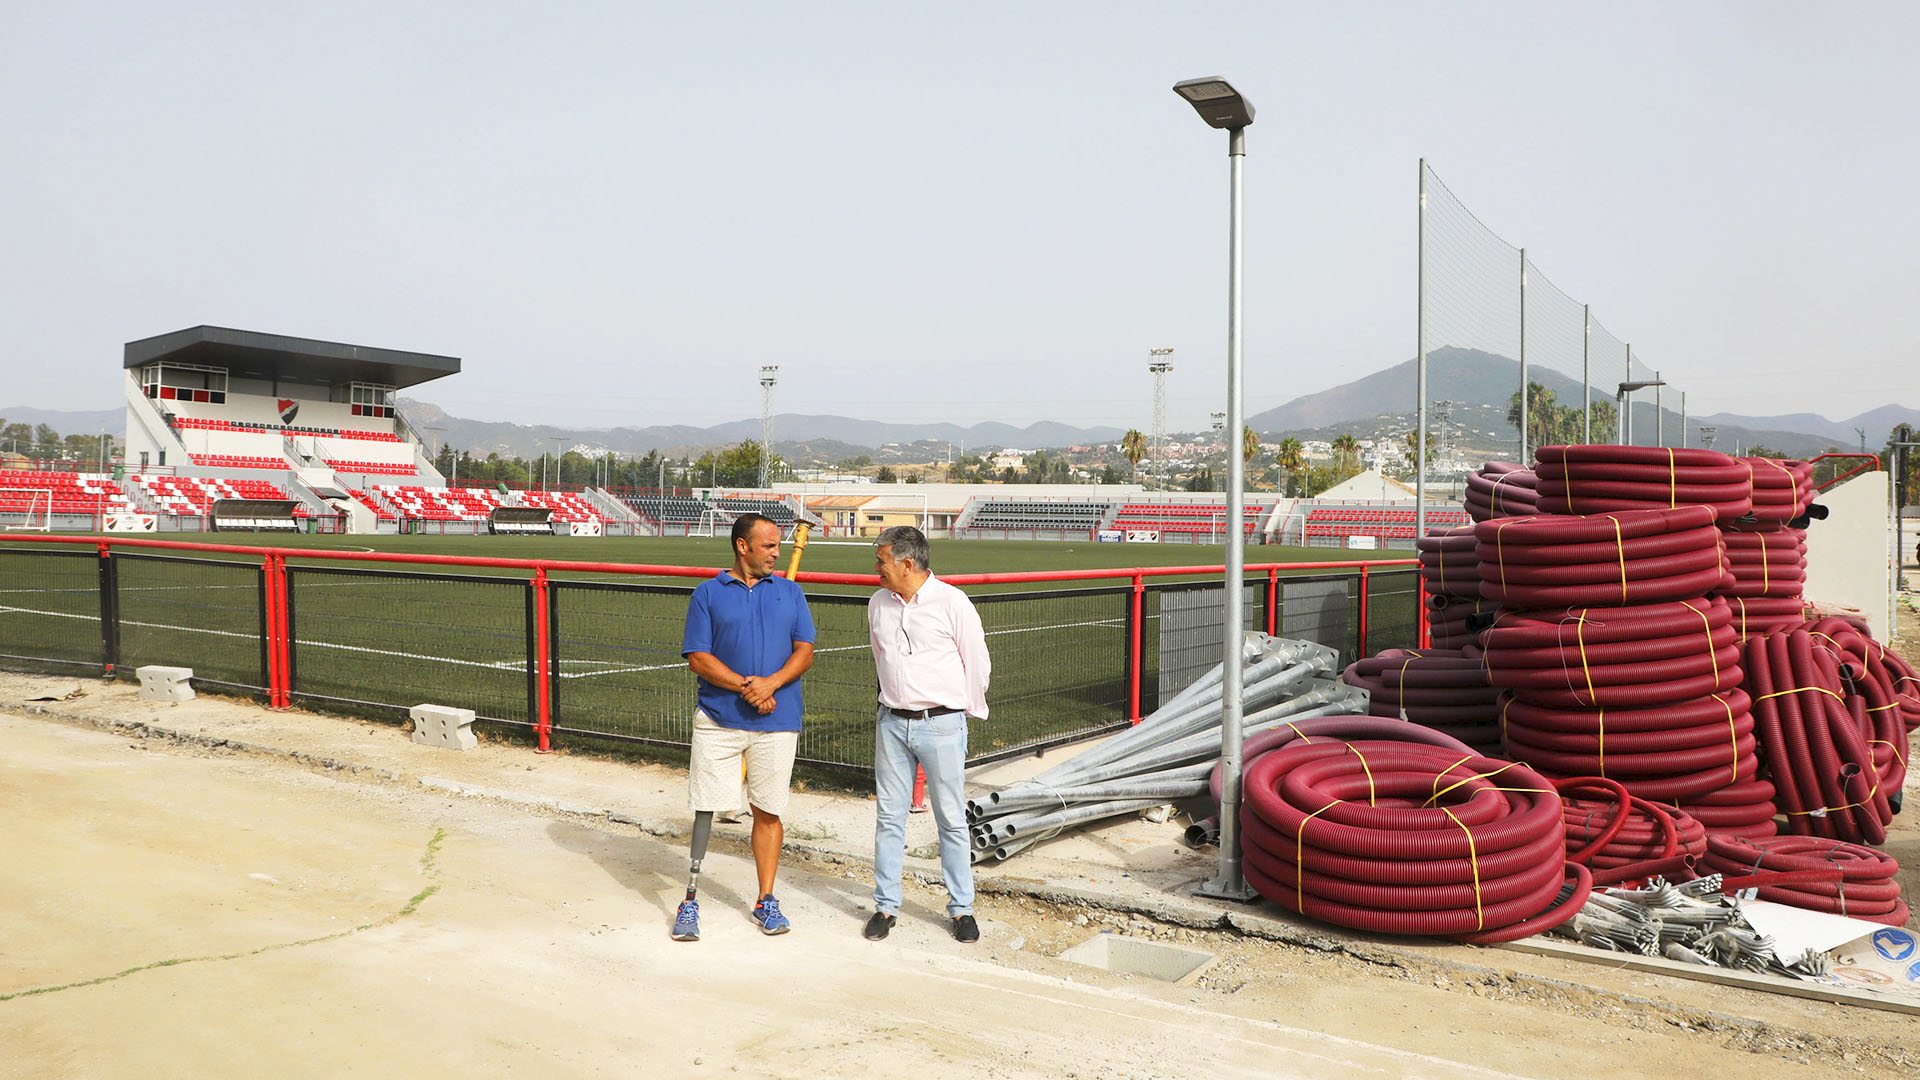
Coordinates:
[284,629]
[1365,598]
[1423,634]
[542,660]
[109,611]
[1273,600]
[1136,630]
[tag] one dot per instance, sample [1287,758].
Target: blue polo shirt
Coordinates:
[752,631]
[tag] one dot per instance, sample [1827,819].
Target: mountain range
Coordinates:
[1477,385]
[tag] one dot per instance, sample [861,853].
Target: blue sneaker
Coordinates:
[686,921]
[767,914]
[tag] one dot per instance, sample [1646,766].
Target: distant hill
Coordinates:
[1483,384]
[69,423]
[796,436]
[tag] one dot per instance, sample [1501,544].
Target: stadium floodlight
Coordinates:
[1625,420]
[1221,106]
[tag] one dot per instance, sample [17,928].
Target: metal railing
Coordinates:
[588,649]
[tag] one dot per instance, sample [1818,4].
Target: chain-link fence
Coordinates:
[1490,317]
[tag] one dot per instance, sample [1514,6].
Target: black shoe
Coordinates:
[965,929]
[878,926]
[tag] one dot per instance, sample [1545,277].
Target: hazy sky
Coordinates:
[615,213]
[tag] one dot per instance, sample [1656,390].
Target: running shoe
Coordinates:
[686,921]
[767,914]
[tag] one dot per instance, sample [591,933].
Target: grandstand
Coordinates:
[315,419]
[670,513]
[59,499]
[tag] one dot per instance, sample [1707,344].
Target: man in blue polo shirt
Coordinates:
[749,638]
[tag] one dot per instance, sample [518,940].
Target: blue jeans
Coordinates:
[937,744]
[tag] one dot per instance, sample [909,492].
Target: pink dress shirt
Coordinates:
[930,651]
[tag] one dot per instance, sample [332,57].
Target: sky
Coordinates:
[616,213]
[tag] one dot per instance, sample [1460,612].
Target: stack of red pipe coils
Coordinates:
[1819,752]
[1623,558]
[1448,564]
[1623,837]
[1813,873]
[1754,616]
[1766,564]
[1396,838]
[1502,489]
[1881,693]
[1648,695]
[1782,490]
[1601,479]
[1446,690]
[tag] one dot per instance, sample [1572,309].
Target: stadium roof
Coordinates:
[250,354]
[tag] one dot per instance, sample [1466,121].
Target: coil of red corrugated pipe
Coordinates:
[1817,751]
[1680,752]
[1623,558]
[1602,479]
[1873,697]
[1338,729]
[1868,886]
[1615,657]
[1782,491]
[1757,616]
[1446,690]
[1401,839]
[1454,622]
[1623,837]
[1766,563]
[1742,809]
[1501,489]
[1448,564]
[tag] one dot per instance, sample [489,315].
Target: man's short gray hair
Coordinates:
[907,544]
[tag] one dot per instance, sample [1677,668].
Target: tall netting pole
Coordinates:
[1586,373]
[1420,376]
[1525,403]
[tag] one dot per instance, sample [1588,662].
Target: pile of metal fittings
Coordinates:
[1169,755]
[1691,922]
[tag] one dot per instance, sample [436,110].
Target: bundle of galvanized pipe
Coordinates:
[1169,754]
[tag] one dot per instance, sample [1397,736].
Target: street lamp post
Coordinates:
[1221,106]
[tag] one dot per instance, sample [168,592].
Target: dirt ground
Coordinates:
[174,906]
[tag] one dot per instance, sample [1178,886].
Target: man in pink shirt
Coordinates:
[931,655]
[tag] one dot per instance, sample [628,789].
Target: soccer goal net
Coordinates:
[713,523]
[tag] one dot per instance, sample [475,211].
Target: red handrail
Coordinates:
[1872,463]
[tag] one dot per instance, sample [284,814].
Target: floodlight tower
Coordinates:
[1159,368]
[769,375]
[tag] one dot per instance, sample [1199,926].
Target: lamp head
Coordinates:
[1217,102]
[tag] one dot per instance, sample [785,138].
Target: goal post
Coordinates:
[39,502]
[714,523]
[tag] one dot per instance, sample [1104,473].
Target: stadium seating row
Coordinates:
[187,496]
[197,423]
[23,490]
[232,461]
[1036,514]
[382,468]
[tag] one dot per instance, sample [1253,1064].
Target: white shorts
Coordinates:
[717,756]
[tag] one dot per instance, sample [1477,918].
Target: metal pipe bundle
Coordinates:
[1170,754]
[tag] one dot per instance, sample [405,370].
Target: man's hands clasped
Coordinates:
[758,691]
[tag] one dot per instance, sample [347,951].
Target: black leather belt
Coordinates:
[919,714]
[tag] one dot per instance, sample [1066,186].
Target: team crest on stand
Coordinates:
[289,409]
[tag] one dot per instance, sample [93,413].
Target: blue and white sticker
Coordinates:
[1894,945]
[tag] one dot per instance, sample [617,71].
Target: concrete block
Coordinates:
[440,725]
[159,683]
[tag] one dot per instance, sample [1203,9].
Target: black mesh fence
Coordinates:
[399,639]
[203,614]
[50,610]
[1062,659]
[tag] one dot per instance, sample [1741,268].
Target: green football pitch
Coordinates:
[388,635]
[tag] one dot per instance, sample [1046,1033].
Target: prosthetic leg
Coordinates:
[686,921]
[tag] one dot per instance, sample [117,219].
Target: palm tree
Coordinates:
[1249,448]
[1346,453]
[1290,456]
[1134,446]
